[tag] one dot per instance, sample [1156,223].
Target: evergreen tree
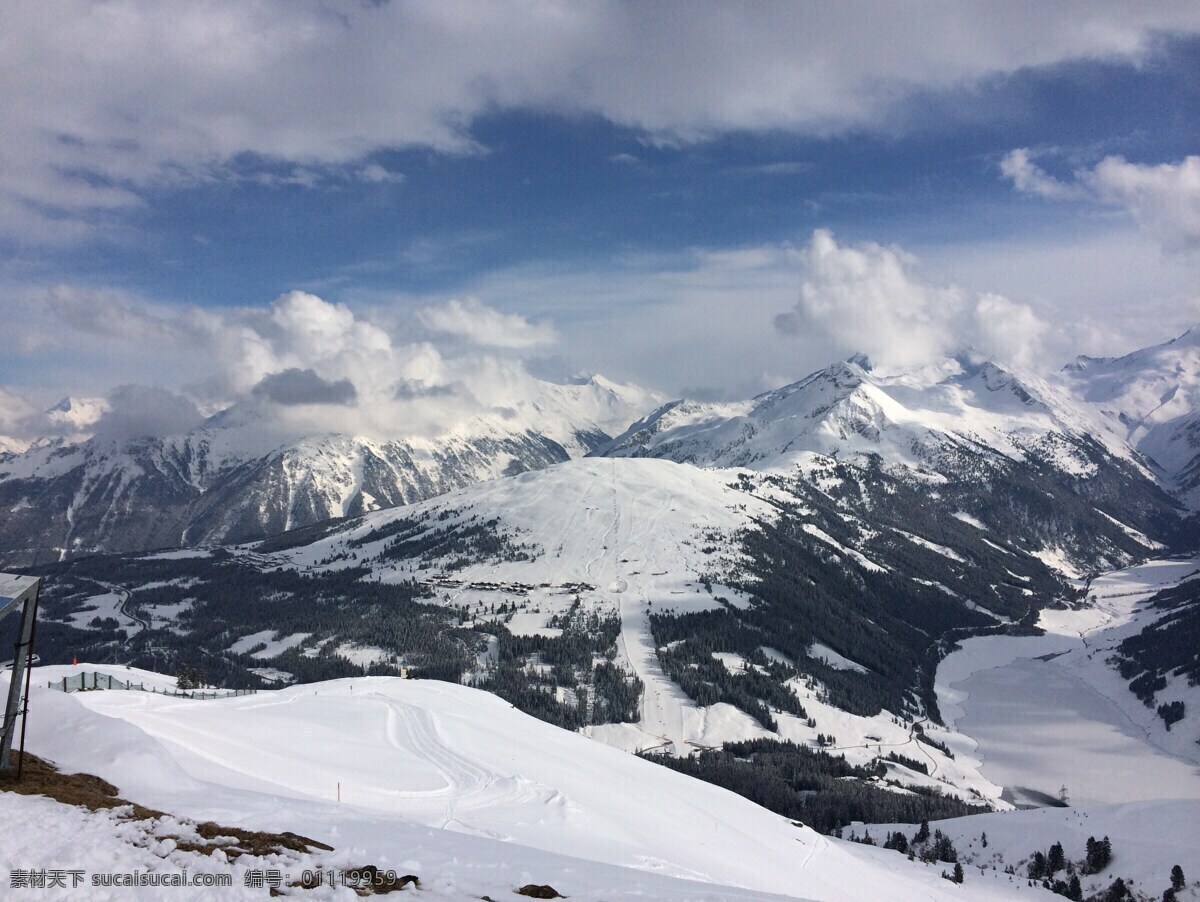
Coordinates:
[958,872]
[1117,892]
[1099,854]
[922,834]
[943,848]
[897,841]
[1056,860]
[1037,866]
[983,839]
[1177,880]
[1074,890]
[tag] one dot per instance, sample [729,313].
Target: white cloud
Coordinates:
[1164,199]
[302,365]
[16,415]
[1030,178]
[297,386]
[701,321]
[102,100]
[473,321]
[378,175]
[865,299]
[1010,331]
[870,299]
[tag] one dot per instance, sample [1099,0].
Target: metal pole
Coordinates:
[28,672]
[12,707]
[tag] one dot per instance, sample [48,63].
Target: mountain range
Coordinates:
[236,478]
[753,579]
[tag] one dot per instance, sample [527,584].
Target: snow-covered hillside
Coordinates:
[441,781]
[1148,839]
[1151,398]
[641,539]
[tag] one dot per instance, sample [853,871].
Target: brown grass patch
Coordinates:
[42,778]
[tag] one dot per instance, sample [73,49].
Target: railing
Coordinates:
[86,682]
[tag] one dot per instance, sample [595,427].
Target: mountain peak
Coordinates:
[1190,337]
[78,413]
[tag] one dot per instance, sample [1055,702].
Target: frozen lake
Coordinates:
[1041,726]
[1048,711]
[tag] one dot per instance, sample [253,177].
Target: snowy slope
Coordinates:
[1152,399]
[454,785]
[633,537]
[1148,839]
[624,536]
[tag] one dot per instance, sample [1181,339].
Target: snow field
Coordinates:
[452,784]
[1148,839]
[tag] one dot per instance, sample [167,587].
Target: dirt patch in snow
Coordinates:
[40,777]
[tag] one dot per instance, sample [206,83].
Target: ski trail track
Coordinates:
[662,700]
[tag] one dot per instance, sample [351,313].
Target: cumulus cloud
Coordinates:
[107,314]
[1163,199]
[379,175]
[297,386]
[870,299]
[865,299]
[16,416]
[107,99]
[411,390]
[473,321]
[1009,330]
[301,365]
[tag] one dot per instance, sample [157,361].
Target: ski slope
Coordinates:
[633,533]
[454,785]
[631,536]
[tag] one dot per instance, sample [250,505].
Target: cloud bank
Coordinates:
[104,101]
[302,365]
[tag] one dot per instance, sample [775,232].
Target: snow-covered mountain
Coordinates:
[1020,454]
[661,606]
[926,418]
[652,604]
[238,478]
[1151,399]
[1109,430]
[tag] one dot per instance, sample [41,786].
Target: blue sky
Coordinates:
[643,182]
